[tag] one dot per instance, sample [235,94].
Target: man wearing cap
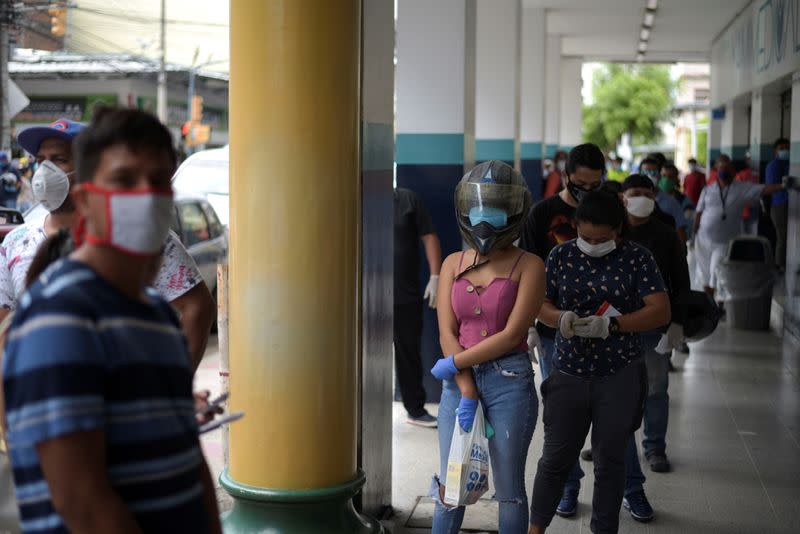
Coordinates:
[178,280]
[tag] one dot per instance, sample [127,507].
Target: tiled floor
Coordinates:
[734,442]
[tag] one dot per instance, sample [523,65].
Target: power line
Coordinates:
[148,20]
[108,43]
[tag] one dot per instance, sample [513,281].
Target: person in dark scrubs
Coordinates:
[412,224]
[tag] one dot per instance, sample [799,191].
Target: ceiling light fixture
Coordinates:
[647,25]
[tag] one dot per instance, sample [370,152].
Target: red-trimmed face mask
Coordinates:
[137,222]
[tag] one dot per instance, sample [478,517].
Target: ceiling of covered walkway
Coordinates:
[612,30]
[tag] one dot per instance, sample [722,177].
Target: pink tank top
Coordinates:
[484,311]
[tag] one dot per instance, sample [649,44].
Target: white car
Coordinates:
[205,174]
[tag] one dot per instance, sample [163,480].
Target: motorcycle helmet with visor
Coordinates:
[492,202]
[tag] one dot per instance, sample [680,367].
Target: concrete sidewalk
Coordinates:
[734,443]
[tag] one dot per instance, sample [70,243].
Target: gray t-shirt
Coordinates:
[722,209]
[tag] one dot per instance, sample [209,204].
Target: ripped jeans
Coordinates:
[508,395]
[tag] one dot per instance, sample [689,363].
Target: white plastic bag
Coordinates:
[468,464]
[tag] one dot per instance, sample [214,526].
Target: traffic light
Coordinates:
[195,134]
[58,21]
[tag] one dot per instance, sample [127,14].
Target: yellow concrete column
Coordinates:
[295,211]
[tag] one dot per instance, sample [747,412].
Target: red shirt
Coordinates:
[747,175]
[552,185]
[693,185]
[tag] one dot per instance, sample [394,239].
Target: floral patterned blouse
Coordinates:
[583,284]
[177,275]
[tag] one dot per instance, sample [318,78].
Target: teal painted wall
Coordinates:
[499,149]
[532,150]
[430,149]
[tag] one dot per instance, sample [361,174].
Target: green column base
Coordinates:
[313,511]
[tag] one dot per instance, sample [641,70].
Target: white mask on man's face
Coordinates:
[137,221]
[50,185]
[640,206]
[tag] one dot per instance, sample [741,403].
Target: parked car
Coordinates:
[203,235]
[196,224]
[9,219]
[205,174]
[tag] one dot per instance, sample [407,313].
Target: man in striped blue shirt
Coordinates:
[97,380]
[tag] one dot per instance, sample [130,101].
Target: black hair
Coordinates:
[692,161]
[638,180]
[52,249]
[659,157]
[781,141]
[561,154]
[650,161]
[619,159]
[137,130]
[612,187]
[586,155]
[670,167]
[600,207]
[724,157]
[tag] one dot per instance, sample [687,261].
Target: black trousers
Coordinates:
[408,357]
[613,406]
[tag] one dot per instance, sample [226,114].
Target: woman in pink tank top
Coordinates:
[494,291]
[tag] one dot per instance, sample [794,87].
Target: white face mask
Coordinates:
[137,221]
[561,165]
[640,206]
[596,251]
[50,185]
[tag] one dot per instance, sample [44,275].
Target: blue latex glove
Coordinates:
[466,413]
[445,368]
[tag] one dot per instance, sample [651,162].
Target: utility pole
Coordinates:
[192,73]
[161,95]
[5,121]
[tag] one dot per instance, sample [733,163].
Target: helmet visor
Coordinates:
[472,198]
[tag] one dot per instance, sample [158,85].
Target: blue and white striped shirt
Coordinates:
[82,356]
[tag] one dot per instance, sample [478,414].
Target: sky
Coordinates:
[197,26]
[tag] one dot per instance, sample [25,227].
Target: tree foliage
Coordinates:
[634,99]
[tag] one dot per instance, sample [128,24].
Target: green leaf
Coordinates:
[634,99]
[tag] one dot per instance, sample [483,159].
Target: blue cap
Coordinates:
[31,138]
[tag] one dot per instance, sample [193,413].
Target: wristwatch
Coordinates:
[613,326]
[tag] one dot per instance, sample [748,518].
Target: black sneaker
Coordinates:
[426,420]
[659,463]
[639,507]
[586,455]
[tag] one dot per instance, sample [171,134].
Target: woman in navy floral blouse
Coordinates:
[601,292]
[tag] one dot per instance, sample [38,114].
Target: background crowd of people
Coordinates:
[604,317]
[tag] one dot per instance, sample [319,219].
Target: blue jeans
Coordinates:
[656,408]
[634,478]
[656,414]
[546,365]
[509,400]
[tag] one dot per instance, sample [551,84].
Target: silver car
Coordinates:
[201,232]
